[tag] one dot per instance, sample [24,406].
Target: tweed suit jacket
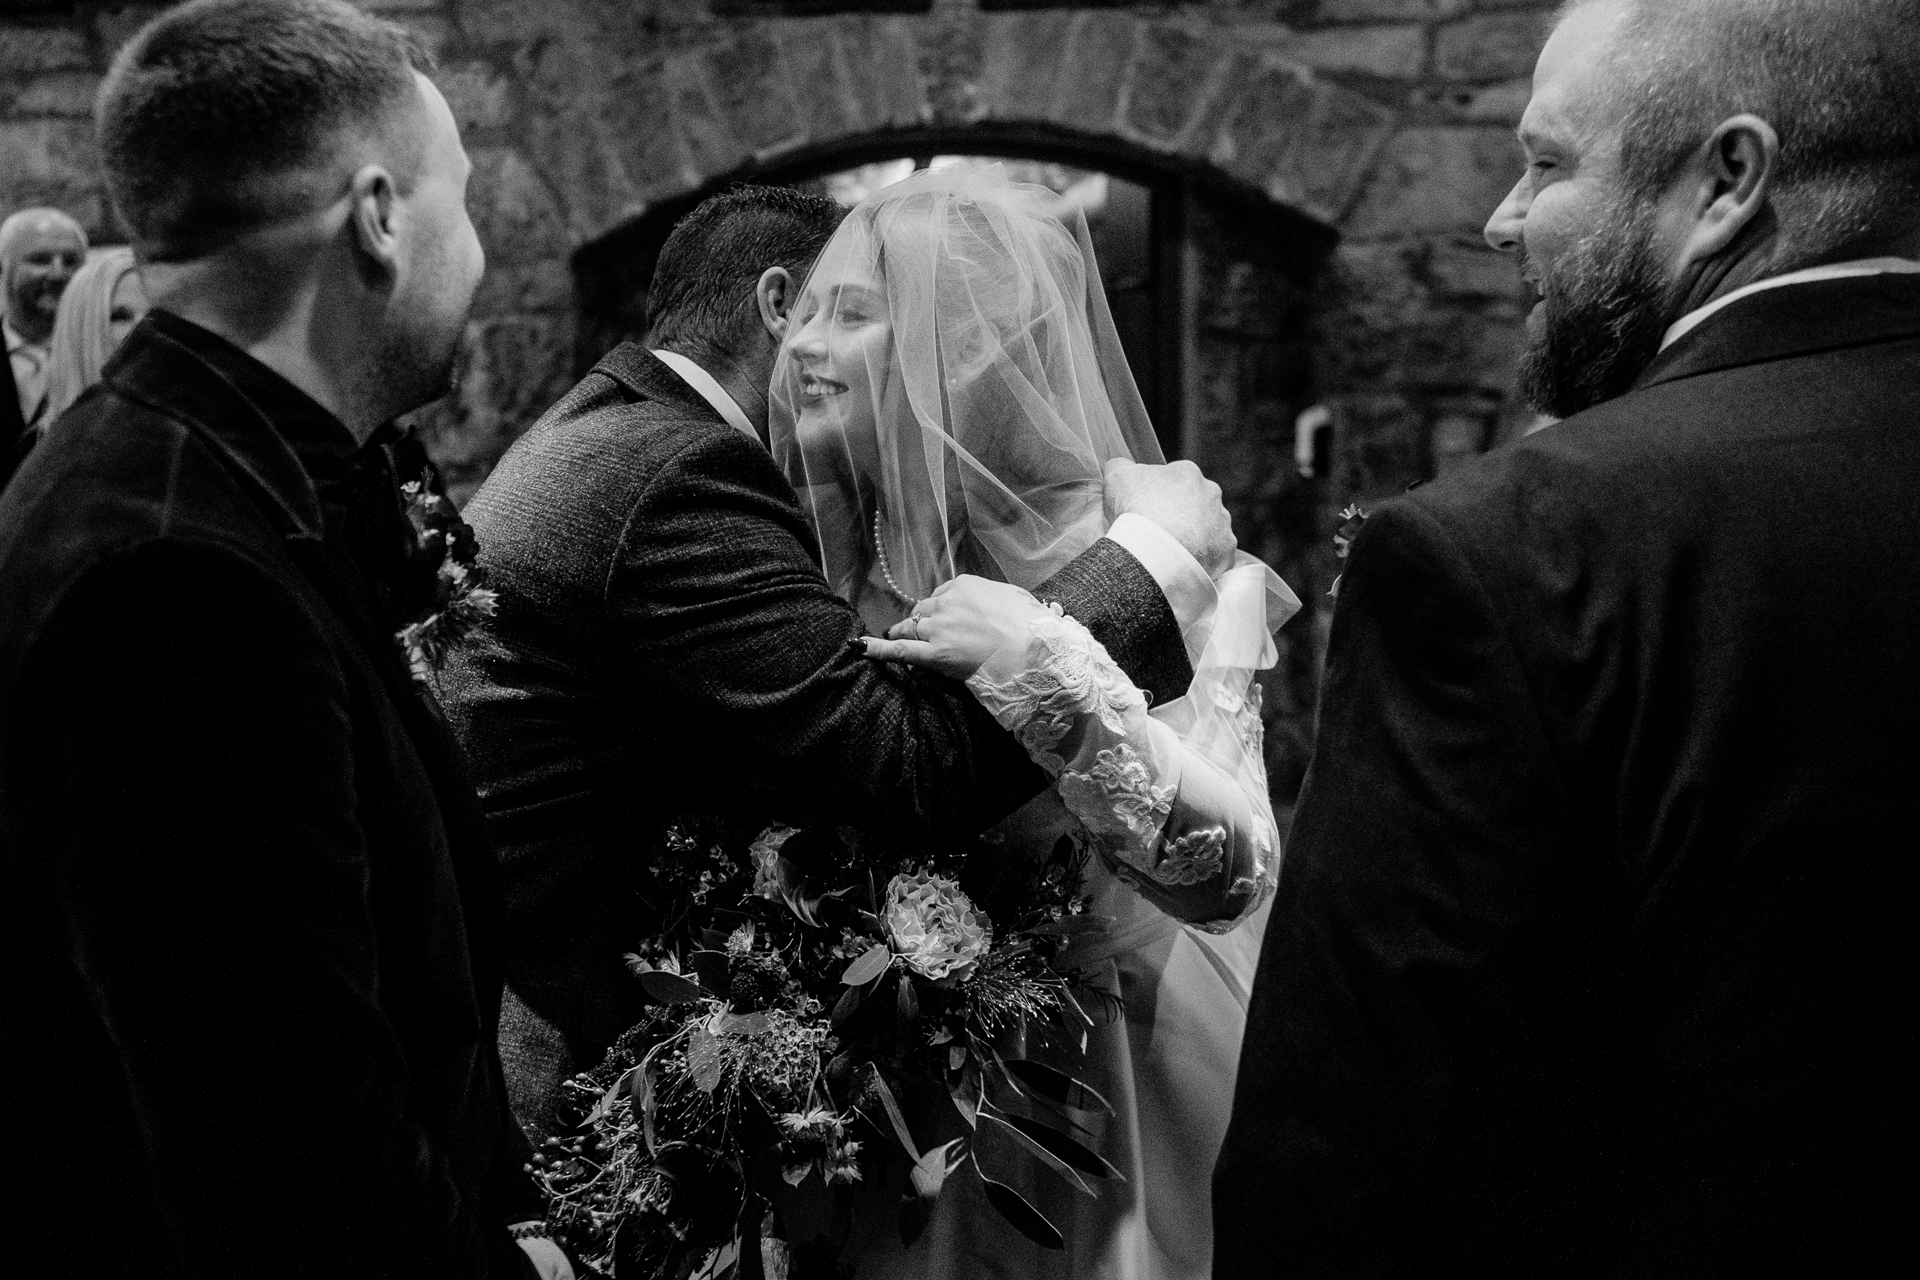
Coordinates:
[665,645]
[249,921]
[1587,955]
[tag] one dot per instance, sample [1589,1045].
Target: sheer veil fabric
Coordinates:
[945,402]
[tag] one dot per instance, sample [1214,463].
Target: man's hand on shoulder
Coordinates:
[1179,499]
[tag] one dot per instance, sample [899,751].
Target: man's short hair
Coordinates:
[1839,80]
[219,117]
[702,291]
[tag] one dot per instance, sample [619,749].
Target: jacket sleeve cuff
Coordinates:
[1188,589]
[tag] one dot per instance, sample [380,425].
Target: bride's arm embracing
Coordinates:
[1181,813]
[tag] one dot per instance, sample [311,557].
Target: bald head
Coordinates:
[40,249]
[1839,82]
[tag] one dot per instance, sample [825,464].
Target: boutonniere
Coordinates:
[1350,521]
[459,598]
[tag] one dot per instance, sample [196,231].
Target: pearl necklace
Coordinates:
[886,570]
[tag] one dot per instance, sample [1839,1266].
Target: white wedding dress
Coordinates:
[948,394]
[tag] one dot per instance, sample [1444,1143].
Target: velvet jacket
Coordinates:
[1585,958]
[666,645]
[252,927]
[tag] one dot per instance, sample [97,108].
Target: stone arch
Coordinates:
[627,136]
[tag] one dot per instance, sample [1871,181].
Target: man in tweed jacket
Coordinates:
[666,645]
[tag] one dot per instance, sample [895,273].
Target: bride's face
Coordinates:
[841,345]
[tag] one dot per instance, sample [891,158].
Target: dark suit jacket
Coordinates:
[249,920]
[15,439]
[1585,957]
[666,645]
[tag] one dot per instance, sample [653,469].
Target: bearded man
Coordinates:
[250,937]
[1585,955]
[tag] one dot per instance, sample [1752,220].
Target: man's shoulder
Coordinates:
[599,452]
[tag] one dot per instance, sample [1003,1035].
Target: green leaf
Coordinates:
[1035,1149]
[871,964]
[848,1004]
[668,988]
[893,1114]
[1026,1219]
[930,1171]
[1058,1145]
[705,1061]
[1056,1086]
[966,1095]
[906,1025]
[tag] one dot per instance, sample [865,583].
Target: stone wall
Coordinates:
[1337,159]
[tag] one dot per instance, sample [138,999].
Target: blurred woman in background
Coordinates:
[100,307]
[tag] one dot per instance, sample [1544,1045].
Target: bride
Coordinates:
[945,402]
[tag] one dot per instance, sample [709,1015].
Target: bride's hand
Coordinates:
[962,624]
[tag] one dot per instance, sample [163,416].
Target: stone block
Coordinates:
[1495,46]
[952,61]
[49,153]
[1176,72]
[641,131]
[393,8]
[1469,268]
[516,215]
[481,97]
[1451,349]
[1502,103]
[1094,69]
[62,93]
[746,80]
[1437,180]
[580,161]
[116,24]
[884,63]
[30,49]
[524,21]
[1387,10]
[1020,63]
[1380,445]
[1392,53]
[1328,167]
[515,287]
[706,135]
[1269,111]
[816,70]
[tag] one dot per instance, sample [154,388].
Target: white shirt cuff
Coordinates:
[1188,589]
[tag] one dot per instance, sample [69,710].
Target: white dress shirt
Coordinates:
[1832,271]
[1188,589]
[29,362]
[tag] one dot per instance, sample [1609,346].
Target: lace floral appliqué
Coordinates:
[1193,857]
[1117,798]
[1069,675]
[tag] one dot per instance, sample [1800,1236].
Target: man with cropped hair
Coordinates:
[666,645]
[251,932]
[1589,955]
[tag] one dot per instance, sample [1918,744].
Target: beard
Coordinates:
[1604,308]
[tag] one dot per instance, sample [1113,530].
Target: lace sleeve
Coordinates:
[1185,832]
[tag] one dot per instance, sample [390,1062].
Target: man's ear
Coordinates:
[374,212]
[1732,177]
[774,292]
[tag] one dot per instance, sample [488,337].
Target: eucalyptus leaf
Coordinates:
[899,1120]
[1066,1149]
[668,988]
[1037,1150]
[1056,1086]
[1026,1219]
[872,963]
[930,1171]
[706,1063]
[848,1004]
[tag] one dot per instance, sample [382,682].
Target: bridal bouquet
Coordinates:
[810,995]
